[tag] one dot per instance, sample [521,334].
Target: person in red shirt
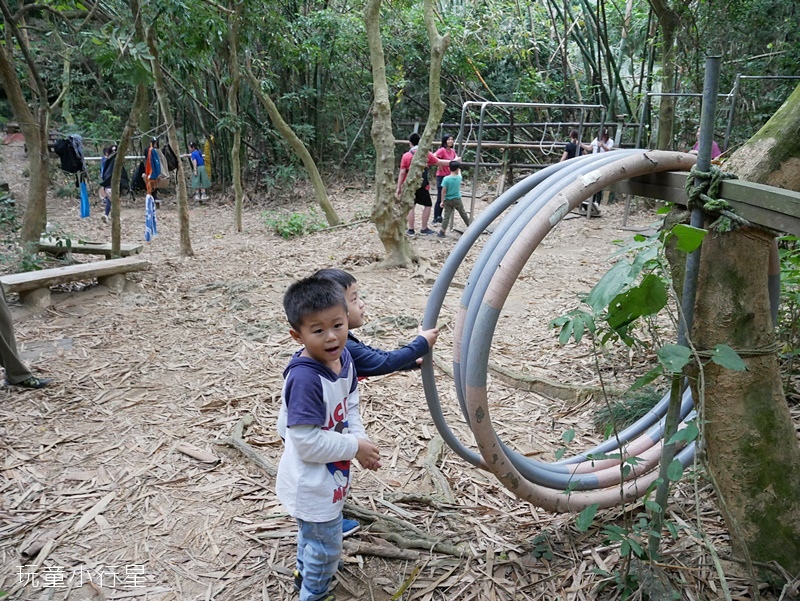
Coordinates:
[447,153]
[422,196]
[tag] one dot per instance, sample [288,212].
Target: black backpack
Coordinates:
[123,178]
[137,182]
[172,160]
[70,161]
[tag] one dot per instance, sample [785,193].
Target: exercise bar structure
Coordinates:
[542,200]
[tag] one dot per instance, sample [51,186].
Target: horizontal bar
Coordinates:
[762,205]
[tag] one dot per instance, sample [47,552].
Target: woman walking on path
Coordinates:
[200,181]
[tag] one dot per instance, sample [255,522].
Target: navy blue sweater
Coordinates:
[375,362]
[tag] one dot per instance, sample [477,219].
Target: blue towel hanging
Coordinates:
[84,201]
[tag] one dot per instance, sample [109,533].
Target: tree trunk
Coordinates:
[772,156]
[297,145]
[387,214]
[172,134]
[233,109]
[139,104]
[34,128]
[670,21]
[751,446]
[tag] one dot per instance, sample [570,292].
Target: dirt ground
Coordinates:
[102,498]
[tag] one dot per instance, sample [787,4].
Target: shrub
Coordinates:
[294,224]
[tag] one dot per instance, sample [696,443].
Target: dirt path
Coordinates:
[92,469]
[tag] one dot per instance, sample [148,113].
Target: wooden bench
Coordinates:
[34,286]
[57,247]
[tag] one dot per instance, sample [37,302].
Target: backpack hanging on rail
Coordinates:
[171,158]
[70,152]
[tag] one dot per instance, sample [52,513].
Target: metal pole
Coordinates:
[477,160]
[640,131]
[707,115]
[686,317]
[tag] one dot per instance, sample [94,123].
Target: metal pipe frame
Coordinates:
[542,200]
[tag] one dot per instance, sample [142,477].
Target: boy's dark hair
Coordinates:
[455,165]
[311,295]
[414,138]
[193,145]
[340,276]
[574,133]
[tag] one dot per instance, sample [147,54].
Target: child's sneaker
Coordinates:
[298,580]
[427,232]
[105,218]
[410,233]
[196,197]
[204,197]
[441,234]
[349,527]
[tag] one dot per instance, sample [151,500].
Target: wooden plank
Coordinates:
[50,246]
[32,280]
[762,205]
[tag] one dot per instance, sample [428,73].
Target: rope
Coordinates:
[767,349]
[702,188]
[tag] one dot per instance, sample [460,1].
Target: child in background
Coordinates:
[370,361]
[451,190]
[102,192]
[320,423]
[200,181]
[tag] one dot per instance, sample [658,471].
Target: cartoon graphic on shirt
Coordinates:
[340,470]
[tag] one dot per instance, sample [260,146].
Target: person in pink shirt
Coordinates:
[715,151]
[447,153]
[422,196]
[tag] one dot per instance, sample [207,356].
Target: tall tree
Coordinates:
[751,443]
[388,214]
[163,100]
[234,23]
[669,21]
[297,145]
[33,123]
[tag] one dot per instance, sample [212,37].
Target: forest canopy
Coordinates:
[314,61]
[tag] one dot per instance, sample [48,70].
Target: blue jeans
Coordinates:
[319,548]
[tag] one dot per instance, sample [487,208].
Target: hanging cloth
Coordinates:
[84,199]
[150,229]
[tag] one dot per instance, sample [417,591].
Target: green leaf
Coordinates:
[577,330]
[652,506]
[586,517]
[647,378]
[689,237]
[672,528]
[674,357]
[675,470]
[560,453]
[609,286]
[568,436]
[566,333]
[726,357]
[648,298]
[687,434]
[637,548]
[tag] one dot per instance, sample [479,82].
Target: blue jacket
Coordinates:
[375,362]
